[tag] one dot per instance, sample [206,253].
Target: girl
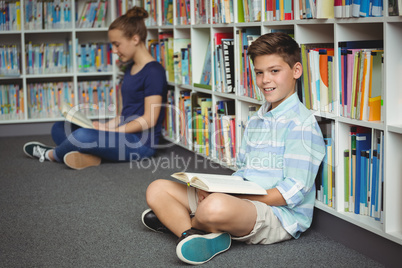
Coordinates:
[136,132]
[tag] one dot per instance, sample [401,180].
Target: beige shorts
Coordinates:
[267,229]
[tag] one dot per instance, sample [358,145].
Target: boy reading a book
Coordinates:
[281,150]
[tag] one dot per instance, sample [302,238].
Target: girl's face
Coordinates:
[121,45]
[275,78]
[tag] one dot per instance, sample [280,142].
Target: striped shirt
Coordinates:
[283,148]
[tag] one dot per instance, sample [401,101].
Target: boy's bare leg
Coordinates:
[169,201]
[225,213]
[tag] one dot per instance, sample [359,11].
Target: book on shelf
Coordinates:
[326,176]
[361,72]
[219,59]
[228,67]
[207,68]
[166,42]
[11,102]
[202,12]
[346,157]
[167,12]
[219,183]
[363,174]
[318,77]
[246,86]
[75,116]
[178,45]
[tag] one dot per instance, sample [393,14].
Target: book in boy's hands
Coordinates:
[74,116]
[220,183]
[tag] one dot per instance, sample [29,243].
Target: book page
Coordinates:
[225,185]
[75,116]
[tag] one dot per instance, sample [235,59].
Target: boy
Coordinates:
[281,150]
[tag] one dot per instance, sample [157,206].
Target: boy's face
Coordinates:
[275,78]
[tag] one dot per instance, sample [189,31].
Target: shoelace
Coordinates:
[39,152]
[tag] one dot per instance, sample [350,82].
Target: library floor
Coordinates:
[52,216]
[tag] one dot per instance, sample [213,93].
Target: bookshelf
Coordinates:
[201,32]
[50,46]
[306,31]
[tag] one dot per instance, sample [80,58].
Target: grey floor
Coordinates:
[52,216]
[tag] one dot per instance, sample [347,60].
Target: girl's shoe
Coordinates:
[36,149]
[77,160]
[197,247]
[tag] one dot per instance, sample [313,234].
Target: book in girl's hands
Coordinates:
[74,116]
[220,183]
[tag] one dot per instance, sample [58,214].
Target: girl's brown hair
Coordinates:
[132,23]
[276,43]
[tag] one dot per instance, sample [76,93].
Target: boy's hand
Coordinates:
[202,195]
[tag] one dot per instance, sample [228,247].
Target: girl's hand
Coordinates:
[99,126]
[202,195]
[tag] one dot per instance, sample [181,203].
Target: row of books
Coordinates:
[96,97]
[361,79]
[317,80]
[165,46]
[183,12]
[395,7]
[9,60]
[93,14]
[249,10]
[222,11]
[182,61]
[11,102]
[167,12]
[169,124]
[94,57]
[225,132]
[364,172]
[44,99]
[201,12]
[325,180]
[10,16]
[123,5]
[152,7]
[47,58]
[247,85]
[204,127]
[43,14]
[224,62]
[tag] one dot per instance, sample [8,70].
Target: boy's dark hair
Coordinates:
[132,23]
[276,43]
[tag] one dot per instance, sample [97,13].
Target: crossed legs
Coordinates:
[216,212]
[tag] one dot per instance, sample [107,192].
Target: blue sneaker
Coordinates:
[197,247]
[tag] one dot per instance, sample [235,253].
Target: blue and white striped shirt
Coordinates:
[283,148]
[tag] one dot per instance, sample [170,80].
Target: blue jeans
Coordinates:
[111,146]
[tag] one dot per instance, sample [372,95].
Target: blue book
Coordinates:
[356,8]
[377,7]
[362,44]
[206,70]
[374,184]
[365,8]
[363,143]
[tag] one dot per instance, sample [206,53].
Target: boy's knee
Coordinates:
[212,208]
[154,190]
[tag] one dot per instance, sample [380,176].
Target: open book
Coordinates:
[220,183]
[73,115]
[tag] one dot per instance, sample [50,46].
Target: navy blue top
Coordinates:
[149,81]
